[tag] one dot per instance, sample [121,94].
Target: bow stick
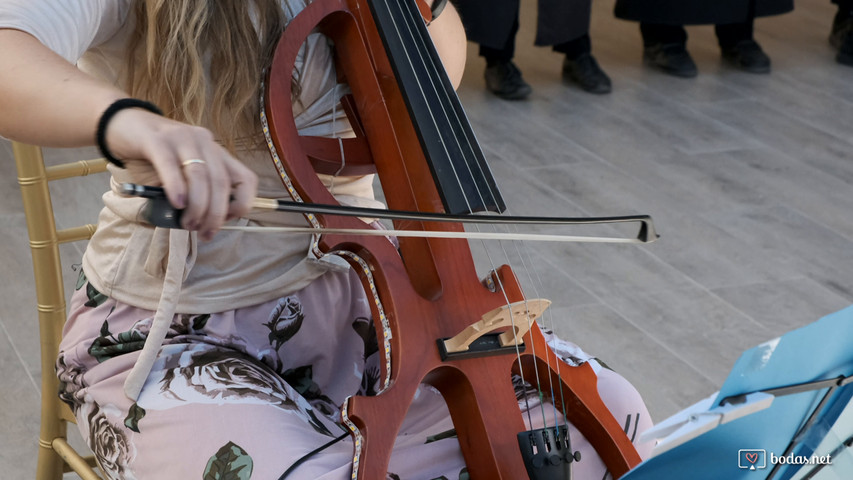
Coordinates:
[160,213]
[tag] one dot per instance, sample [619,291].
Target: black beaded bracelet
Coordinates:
[109,113]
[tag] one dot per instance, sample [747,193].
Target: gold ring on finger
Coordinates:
[192,161]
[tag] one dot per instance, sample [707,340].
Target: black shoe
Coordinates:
[585,72]
[842,39]
[747,55]
[672,58]
[504,80]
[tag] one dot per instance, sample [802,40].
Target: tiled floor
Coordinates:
[748,178]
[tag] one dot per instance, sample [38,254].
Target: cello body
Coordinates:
[426,290]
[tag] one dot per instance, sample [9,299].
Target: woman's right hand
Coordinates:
[47,101]
[197,173]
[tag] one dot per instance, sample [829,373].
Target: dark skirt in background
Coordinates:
[699,12]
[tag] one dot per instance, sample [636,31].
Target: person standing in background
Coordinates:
[841,36]
[493,25]
[665,39]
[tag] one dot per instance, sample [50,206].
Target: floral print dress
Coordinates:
[248,393]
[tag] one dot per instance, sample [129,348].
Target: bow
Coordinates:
[160,213]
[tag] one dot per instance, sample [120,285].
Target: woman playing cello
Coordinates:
[264,340]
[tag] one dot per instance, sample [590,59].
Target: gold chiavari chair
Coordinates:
[56,456]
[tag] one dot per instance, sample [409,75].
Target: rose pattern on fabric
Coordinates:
[365,329]
[230,462]
[206,361]
[463,475]
[189,324]
[70,383]
[111,446]
[569,352]
[207,374]
[285,321]
[95,298]
[301,379]
[109,345]
[523,389]
[370,381]
[134,415]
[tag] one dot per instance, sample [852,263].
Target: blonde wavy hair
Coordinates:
[175,39]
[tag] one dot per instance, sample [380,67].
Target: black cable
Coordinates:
[310,454]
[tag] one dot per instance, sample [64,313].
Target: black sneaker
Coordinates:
[585,72]
[842,39]
[504,80]
[672,58]
[748,56]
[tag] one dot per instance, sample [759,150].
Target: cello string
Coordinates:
[451,107]
[430,102]
[530,321]
[533,348]
[526,269]
[499,282]
[435,69]
[536,283]
[398,26]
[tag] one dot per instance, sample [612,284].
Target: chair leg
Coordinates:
[82,466]
[49,466]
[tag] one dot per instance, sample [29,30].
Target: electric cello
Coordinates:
[437,321]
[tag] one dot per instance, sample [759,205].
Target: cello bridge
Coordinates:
[478,339]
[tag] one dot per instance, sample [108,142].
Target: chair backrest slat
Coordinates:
[76,169]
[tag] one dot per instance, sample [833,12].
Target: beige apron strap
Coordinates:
[179,250]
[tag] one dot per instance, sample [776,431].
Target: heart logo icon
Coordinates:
[752,457]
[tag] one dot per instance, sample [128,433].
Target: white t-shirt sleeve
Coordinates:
[68,27]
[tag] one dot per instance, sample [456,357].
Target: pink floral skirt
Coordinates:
[249,392]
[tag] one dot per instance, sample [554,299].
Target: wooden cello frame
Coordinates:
[428,289]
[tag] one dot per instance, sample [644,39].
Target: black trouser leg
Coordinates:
[845,11]
[575,48]
[730,34]
[503,54]
[656,33]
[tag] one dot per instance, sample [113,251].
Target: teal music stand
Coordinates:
[787,398]
[832,436]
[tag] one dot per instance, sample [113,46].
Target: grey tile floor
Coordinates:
[748,178]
